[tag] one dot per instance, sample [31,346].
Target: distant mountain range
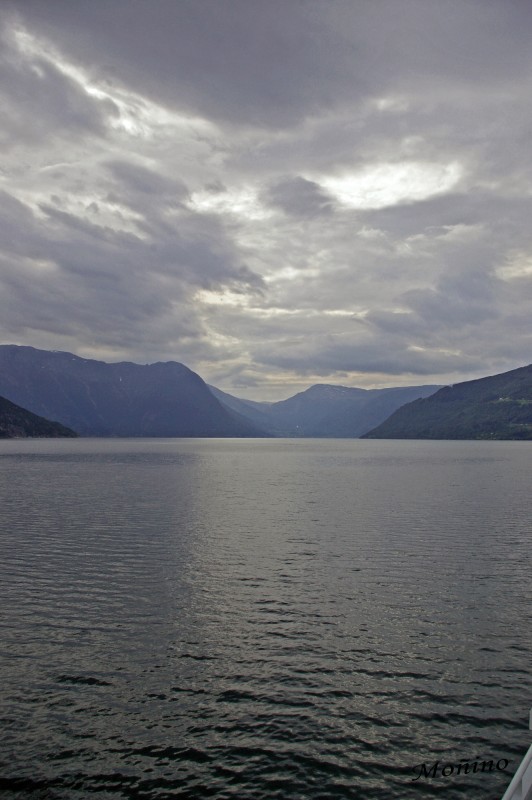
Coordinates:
[168,399]
[326,411]
[16,422]
[497,407]
[99,399]
[94,398]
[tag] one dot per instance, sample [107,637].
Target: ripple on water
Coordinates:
[311,623]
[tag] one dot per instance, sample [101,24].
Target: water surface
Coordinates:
[261,619]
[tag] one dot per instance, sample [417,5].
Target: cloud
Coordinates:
[40,101]
[243,62]
[107,286]
[299,196]
[138,179]
[270,192]
[271,64]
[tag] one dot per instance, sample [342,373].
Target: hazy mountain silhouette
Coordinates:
[124,399]
[256,412]
[94,398]
[325,410]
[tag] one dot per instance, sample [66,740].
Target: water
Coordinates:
[295,619]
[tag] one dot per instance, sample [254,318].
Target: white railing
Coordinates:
[520,787]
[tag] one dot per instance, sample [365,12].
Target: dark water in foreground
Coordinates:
[262,619]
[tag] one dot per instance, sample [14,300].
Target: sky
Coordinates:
[275,193]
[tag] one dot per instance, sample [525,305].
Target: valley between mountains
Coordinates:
[86,397]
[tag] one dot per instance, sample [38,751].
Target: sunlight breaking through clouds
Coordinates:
[136,115]
[221,195]
[382,185]
[518,265]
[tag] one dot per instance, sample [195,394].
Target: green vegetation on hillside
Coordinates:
[498,407]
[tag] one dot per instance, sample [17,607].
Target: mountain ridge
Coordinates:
[17,422]
[95,398]
[326,410]
[495,407]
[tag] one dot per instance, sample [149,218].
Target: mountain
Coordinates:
[497,407]
[324,410]
[16,422]
[304,413]
[99,399]
[254,411]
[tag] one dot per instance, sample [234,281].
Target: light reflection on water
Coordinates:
[262,619]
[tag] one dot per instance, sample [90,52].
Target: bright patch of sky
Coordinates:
[381,185]
[241,202]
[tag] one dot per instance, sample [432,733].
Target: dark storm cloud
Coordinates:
[141,180]
[82,247]
[102,284]
[241,61]
[15,217]
[300,197]
[436,214]
[247,61]
[327,355]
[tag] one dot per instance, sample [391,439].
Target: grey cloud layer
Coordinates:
[270,191]
[270,63]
